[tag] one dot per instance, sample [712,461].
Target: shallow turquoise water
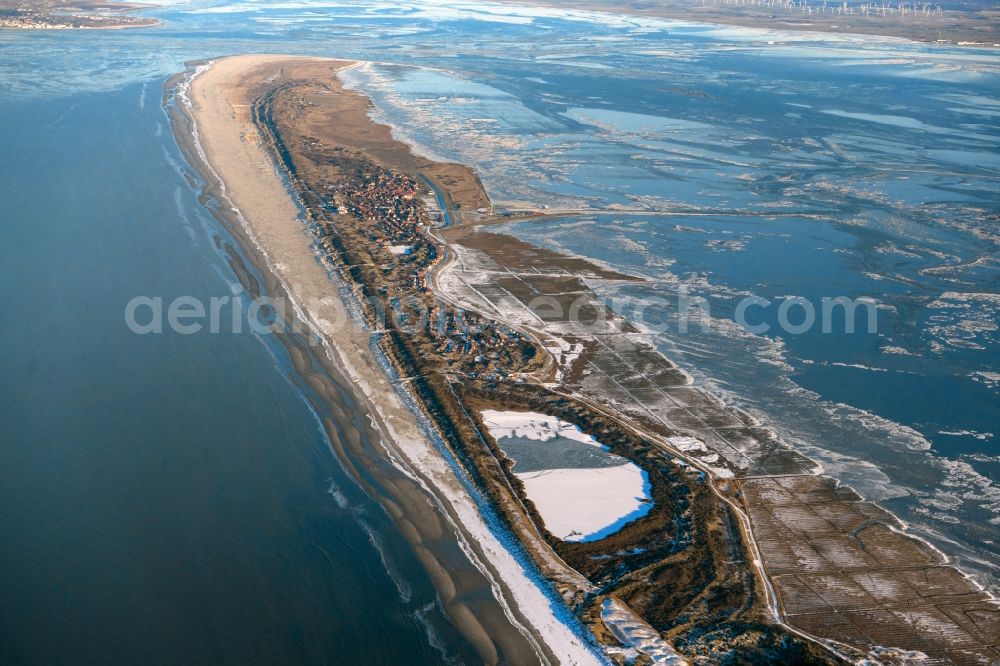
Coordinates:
[167,497]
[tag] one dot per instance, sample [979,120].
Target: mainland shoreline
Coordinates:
[972,27]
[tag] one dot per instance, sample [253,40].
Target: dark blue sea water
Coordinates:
[166,498]
[171,498]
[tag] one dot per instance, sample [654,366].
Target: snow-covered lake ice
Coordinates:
[582,491]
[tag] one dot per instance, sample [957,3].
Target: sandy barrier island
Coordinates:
[484,590]
[744,548]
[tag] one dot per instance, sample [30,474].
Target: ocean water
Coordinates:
[167,498]
[172,498]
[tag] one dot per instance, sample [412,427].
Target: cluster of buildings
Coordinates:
[43,20]
[484,348]
[393,223]
[31,21]
[388,202]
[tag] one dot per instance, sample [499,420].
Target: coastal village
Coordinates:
[45,21]
[81,14]
[390,214]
